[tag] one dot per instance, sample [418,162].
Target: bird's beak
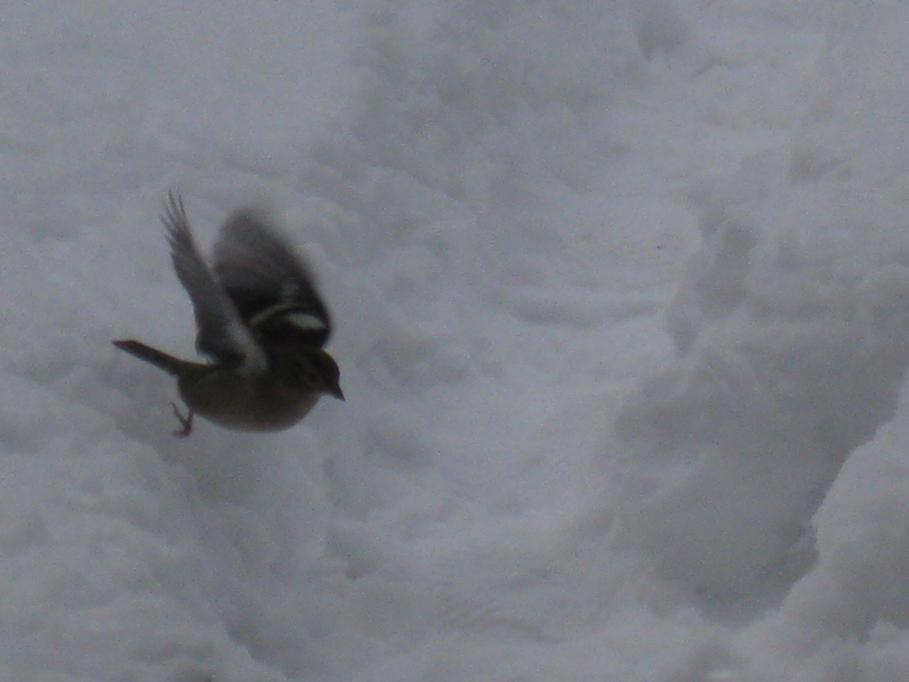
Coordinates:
[335,391]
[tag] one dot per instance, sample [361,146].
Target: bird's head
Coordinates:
[311,369]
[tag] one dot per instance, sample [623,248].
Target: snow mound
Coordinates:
[622,303]
[791,329]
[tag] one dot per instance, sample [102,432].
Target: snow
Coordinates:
[622,305]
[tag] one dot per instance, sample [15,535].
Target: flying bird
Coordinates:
[260,319]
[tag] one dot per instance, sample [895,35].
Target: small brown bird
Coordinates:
[261,320]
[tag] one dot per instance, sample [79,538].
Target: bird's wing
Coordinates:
[269,284]
[221,332]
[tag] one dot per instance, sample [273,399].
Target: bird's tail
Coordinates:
[168,363]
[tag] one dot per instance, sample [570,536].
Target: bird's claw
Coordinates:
[185,420]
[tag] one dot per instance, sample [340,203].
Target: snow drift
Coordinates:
[621,296]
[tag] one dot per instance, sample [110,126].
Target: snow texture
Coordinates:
[621,293]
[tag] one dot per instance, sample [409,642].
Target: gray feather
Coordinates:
[221,332]
[269,284]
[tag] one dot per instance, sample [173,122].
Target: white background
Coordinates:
[622,304]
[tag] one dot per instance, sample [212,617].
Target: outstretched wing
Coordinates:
[269,284]
[221,332]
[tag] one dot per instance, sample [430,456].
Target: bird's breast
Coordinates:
[247,403]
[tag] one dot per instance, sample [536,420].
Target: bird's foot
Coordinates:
[185,420]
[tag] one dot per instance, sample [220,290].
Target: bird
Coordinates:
[259,319]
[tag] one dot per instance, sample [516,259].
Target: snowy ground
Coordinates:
[622,304]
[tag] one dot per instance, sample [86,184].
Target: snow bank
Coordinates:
[847,619]
[792,334]
[582,439]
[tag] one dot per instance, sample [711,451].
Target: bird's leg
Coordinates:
[186,421]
